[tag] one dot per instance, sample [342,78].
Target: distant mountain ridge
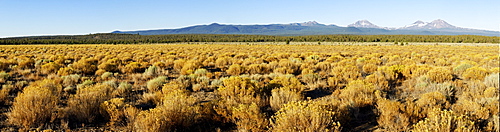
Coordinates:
[362,27]
[436,24]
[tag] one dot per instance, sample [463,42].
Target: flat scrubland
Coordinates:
[346,43]
[250,87]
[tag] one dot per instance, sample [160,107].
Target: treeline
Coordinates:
[112,38]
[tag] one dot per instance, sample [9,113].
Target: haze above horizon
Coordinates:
[61,17]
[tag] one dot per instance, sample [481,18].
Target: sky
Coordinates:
[72,17]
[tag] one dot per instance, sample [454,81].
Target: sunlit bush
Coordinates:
[309,116]
[282,96]
[236,91]
[475,73]
[176,112]
[86,66]
[133,67]
[235,70]
[51,67]
[359,92]
[34,107]
[439,75]
[445,121]
[391,117]
[109,66]
[249,118]
[84,106]
[288,81]
[115,109]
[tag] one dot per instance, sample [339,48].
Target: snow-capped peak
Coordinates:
[417,24]
[436,24]
[363,24]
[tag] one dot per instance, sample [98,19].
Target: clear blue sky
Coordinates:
[49,17]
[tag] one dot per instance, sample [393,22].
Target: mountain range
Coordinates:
[362,27]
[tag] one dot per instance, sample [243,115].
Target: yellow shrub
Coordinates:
[49,68]
[310,78]
[249,118]
[379,81]
[335,83]
[133,67]
[347,72]
[491,92]
[440,75]
[308,116]
[53,85]
[115,109]
[109,67]
[177,112]
[4,94]
[26,63]
[189,67]
[370,68]
[393,72]
[178,64]
[284,70]
[306,71]
[420,70]
[235,91]
[445,121]
[256,69]
[324,66]
[495,70]
[85,66]
[475,73]
[65,71]
[282,96]
[476,110]
[288,64]
[236,87]
[429,101]
[171,86]
[289,81]
[391,117]
[359,92]
[34,107]
[235,70]
[84,106]
[223,62]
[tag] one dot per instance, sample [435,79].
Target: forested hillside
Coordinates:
[112,38]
